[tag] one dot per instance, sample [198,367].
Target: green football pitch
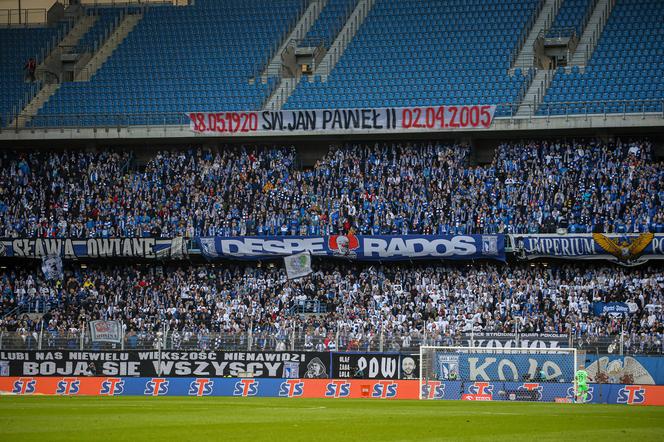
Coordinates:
[228,419]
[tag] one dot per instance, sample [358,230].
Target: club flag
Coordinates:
[298,265]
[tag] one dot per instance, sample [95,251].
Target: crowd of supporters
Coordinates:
[372,188]
[369,188]
[208,306]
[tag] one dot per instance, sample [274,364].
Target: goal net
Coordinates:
[516,374]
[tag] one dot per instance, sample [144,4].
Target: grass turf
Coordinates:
[182,418]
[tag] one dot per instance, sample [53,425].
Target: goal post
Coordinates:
[480,373]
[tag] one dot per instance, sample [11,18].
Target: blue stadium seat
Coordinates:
[204,63]
[622,67]
[427,52]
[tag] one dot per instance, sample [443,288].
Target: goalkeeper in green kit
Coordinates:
[581,380]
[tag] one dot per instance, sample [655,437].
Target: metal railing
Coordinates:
[23,17]
[346,33]
[599,108]
[293,340]
[524,34]
[586,17]
[261,68]
[337,27]
[126,3]
[309,306]
[620,344]
[598,30]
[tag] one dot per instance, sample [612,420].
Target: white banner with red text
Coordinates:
[434,118]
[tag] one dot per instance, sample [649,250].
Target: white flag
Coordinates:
[298,265]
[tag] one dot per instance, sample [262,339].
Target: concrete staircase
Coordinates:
[82,26]
[281,93]
[304,24]
[287,85]
[547,14]
[592,33]
[535,93]
[112,42]
[52,62]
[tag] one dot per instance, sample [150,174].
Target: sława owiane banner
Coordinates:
[627,249]
[358,247]
[431,118]
[68,248]
[509,340]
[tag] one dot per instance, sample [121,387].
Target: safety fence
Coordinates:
[17,120]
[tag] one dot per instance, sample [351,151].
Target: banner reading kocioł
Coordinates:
[358,247]
[510,340]
[432,118]
[624,249]
[307,365]
[68,248]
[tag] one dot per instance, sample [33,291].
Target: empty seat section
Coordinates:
[572,16]
[426,52]
[626,70]
[179,59]
[106,21]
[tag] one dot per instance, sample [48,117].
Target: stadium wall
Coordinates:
[611,369]
[329,388]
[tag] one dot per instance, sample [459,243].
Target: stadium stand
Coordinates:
[107,19]
[388,188]
[202,64]
[406,53]
[425,53]
[17,46]
[205,307]
[625,69]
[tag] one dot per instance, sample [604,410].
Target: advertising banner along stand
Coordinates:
[69,248]
[333,389]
